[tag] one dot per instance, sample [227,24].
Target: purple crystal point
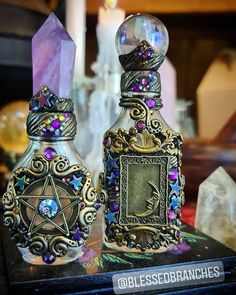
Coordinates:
[53,56]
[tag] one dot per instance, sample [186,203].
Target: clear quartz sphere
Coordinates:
[140,27]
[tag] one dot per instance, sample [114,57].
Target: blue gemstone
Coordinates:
[48,258]
[97,206]
[48,208]
[131,245]
[77,235]
[116,173]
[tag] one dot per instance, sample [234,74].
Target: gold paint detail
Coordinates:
[152,203]
[143,142]
[22,214]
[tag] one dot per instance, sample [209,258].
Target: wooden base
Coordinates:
[92,273]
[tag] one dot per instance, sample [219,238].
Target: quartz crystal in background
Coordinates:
[216,208]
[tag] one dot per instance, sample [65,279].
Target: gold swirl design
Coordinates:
[154,126]
[103,196]
[8,201]
[60,166]
[39,167]
[89,196]
[144,237]
[38,246]
[11,220]
[59,246]
[87,216]
[139,110]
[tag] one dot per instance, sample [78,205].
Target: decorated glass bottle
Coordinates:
[142,182]
[50,202]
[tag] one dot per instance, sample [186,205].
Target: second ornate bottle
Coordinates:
[142,182]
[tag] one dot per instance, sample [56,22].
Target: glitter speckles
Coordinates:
[144,83]
[53,124]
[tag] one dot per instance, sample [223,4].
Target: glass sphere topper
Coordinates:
[141,27]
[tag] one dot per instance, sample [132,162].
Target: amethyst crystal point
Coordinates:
[53,55]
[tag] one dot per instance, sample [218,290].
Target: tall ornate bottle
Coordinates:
[50,202]
[142,181]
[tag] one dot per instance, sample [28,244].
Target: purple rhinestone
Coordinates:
[48,258]
[105,142]
[177,234]
[77,235]
[144,81]
[115,188]
[151,103]
[140,124]
[97,206]
[49,153]
[56,124]
[135,88]
[173,174]
[67,115]
[145,56]
[47,133]
[114,207]
[152,72]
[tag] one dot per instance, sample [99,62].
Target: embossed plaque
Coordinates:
[143,190]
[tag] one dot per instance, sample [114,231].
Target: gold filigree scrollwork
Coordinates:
[119,142]
[38,245]
[60,166]
[39,167]
[143,237]
[53,173]
[144,142]
[87,216]
[138,109]
[89,195]
[11,219]
[59,246]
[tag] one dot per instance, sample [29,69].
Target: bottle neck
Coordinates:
[141,89]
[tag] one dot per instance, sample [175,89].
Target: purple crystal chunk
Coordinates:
[77,235]
[53,55]
[49,153]
[173,174]
[48,258]
[151,103]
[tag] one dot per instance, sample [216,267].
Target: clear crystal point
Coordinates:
[53,56]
